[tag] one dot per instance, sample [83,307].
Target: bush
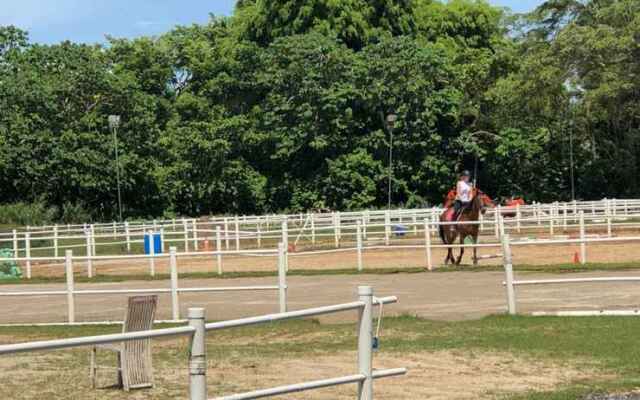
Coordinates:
[73,213]
[37,213]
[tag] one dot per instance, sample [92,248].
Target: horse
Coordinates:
[449,232]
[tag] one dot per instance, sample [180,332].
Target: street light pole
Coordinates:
[114,123]
[391,120]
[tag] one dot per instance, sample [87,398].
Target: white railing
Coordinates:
[313,228]
[555,223]
[511,283]
[174,290]
[198,329]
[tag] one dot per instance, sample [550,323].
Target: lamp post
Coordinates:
[390,122]
[114,123]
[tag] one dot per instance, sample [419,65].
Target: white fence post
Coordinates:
[583,243]
[152,253]
[415,223]
[387,227]
[282,277]
[55,240]
[336,235]
[114,229]
[359,243]
[161,239]
[518,216]
[127,236]
[285,241]
[16,249]
[185,228]
[496,222]
[89,257]
[365,343]
[259,234]
[551,231]
[609,234]
[71,304]
[226,233]
[194,223]
[427,243]
[508,271]
[237,227]
[92,231]
[219,249]
[173,265]
[313,228]
[27,252]
[198,355]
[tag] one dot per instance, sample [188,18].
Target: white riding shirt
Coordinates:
[463,191]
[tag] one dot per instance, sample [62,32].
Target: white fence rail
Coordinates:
[511,283]
[174,290]
[198,329]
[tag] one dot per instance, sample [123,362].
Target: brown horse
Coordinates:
[449,233]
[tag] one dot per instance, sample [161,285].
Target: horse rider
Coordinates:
[464,192]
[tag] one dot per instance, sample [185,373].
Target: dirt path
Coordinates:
[448,296]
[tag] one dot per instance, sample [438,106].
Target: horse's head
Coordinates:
[482,201]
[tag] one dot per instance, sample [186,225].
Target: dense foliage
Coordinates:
[283,106]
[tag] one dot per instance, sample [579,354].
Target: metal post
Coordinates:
[365,343]
[71,305]
[427,243]
[219,249]
[359,243]
[127,236]
[27,250]
[55,240]
[583,244]
[152,253]
[282,277]
[508,271]
[173,266]
[198,355]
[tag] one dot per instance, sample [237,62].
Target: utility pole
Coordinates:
[114,123]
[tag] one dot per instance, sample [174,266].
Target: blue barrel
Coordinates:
[154,237]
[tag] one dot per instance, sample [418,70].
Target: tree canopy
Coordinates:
[282,106]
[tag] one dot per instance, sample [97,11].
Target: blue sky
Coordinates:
[51,21]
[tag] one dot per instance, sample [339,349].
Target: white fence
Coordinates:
[174,290]
[336,228]
[511,283]
[197,329]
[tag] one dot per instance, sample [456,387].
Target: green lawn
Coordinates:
[608,345]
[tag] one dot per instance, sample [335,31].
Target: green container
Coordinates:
[8,268]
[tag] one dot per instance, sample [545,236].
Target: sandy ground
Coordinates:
[447,296]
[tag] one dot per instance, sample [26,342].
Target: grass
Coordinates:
[550,268]
[607,344]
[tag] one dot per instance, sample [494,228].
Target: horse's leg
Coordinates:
[475,251]
[462,237]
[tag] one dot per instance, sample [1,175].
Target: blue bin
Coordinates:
[400,230]
[154,237]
